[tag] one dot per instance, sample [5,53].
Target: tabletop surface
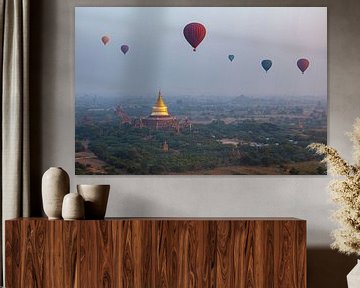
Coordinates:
[173,219]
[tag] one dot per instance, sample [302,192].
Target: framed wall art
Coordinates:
[200,90]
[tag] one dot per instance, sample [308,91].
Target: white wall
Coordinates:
[297,196]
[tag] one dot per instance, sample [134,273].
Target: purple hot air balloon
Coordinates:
[303,64]
[124,48]
[194,33]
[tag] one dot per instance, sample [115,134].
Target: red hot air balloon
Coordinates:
[105,39]
[124,48]
[194,33]
[303,64]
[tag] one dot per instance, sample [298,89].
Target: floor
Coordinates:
[328,268]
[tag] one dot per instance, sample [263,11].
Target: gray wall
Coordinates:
[52,124]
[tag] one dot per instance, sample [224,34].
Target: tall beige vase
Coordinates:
[55,185]
[96,198]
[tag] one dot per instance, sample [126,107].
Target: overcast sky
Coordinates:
[160,57]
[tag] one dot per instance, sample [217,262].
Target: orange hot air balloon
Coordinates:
[105,39]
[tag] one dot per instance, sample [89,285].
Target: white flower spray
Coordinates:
[345,192]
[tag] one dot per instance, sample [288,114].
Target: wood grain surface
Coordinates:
[136,253]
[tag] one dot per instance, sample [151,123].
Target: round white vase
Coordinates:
[55,185]
[73,207]
[353,278]
[96,198]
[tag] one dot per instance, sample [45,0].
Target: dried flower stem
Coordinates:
[345,192]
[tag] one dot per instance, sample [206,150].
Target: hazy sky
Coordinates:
[160,57]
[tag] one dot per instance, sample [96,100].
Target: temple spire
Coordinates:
[160,108]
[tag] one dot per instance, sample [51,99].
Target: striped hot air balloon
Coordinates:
[194,33]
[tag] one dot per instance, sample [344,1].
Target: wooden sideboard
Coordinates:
[156,252]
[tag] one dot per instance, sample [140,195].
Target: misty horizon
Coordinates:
[194,97]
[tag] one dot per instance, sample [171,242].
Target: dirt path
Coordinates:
[91,162]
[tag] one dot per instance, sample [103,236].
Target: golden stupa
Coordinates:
[160,117]
[160,109]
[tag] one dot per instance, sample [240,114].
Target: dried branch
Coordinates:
[345,192]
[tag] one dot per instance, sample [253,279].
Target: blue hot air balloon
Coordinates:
[231,57]
[266,64]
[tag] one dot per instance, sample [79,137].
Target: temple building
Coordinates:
[160,117]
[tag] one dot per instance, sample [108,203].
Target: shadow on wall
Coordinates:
[36,64]
[328,268]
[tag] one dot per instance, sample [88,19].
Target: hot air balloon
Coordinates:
[105,39]
[194,33]
[266,64]
[231,57]
[303,64]
[124,48]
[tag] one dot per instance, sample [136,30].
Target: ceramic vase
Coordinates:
[73,207]
[353,278]
[96,198]
[55,185]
